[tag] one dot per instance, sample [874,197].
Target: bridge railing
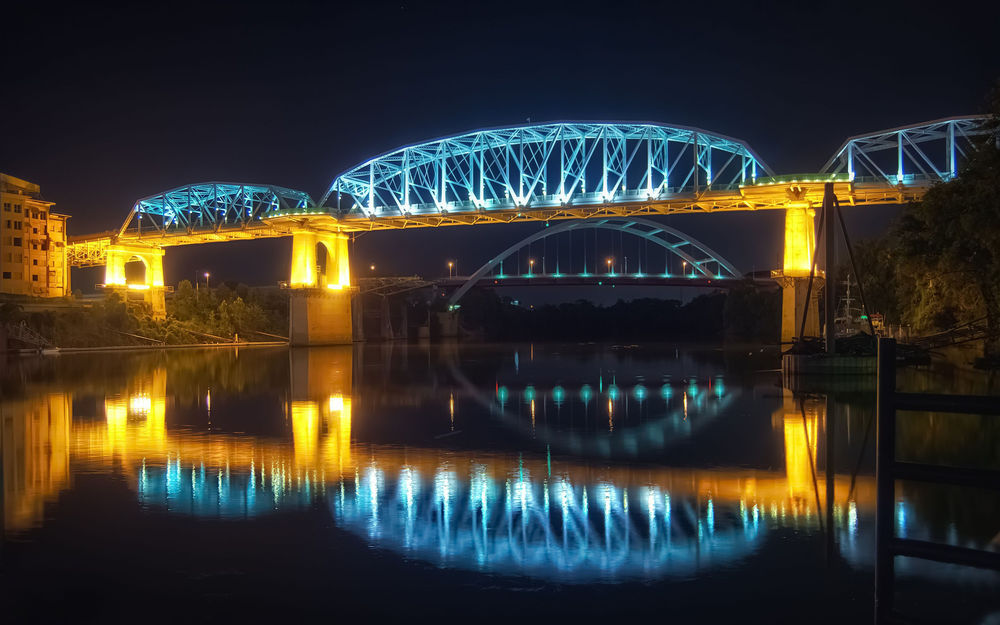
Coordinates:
[593,198]
[888,469]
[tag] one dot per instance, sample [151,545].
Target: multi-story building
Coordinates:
[32,242]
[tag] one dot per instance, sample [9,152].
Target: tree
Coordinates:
[950,244]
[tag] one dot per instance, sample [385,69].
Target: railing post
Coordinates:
[885,457]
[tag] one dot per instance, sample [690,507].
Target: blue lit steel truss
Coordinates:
[700,259]
[544,165]
[922,153]
[211,206]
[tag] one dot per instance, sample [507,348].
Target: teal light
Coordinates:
[558,395]
[502,395]
[613,392]
[529,394]
[666,391]
[719,387]
[640,392]
[586,392]
[693,388]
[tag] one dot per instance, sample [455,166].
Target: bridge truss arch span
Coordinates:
[211,207]
[544,165]
[698,256]
[917,154]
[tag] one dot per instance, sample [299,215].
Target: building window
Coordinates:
[34,231]
[6,207]
[8,223]
[6,274]
[34,246]
[17,241]
[17,225]
[17,209]
[34,277]
[41,215]
[34,261]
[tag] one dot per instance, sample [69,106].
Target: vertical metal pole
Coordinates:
[406,179]
[885,502]
[604,174]
[562,171]
[951,150]
[899,156]
[649,164]
[830,254]
[694,146]
[831,437]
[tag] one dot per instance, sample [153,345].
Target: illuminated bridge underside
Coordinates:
[702,261]
[541,527]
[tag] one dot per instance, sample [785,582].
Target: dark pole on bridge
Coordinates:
[830,254]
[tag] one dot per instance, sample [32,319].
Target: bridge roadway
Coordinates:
[606,279]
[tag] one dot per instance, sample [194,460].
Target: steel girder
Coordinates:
[696,254]
[921,153]
[210,207]
[543,165]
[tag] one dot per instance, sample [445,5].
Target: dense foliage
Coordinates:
[193,316]
[744,313]
[940,264]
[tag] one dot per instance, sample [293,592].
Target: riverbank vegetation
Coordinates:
[204,315]
[744,313]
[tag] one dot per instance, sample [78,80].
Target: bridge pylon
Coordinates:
[793,277]
[320,302]
[152,288]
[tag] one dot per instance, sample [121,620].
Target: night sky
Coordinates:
[103,105]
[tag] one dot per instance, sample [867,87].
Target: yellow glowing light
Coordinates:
[336,403]
[800,241]
[139,404]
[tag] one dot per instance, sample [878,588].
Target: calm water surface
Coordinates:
[530,482]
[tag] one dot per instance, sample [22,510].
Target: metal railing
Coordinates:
[888,469]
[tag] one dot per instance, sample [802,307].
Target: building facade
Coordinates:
[32,242]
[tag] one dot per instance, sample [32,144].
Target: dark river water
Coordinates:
[478,482]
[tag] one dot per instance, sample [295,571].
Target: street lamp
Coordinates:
[684,270]
[451,265]
[372,267]
[206,279]
[531,265]
[609,265]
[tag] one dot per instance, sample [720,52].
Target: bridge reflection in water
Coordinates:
[527,514]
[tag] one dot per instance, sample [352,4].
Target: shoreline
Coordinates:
[118,348]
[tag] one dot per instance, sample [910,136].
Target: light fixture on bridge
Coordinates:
[531,266]
[451,265]
[609,261]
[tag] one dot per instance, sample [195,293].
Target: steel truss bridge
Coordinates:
[543,172]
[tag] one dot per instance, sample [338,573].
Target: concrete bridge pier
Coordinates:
[320,303]
[152,289]
[800,246]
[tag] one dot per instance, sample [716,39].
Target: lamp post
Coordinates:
[609,260]
[451,265]
[684,269]
[531,265]
[206,279]
[372,267]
